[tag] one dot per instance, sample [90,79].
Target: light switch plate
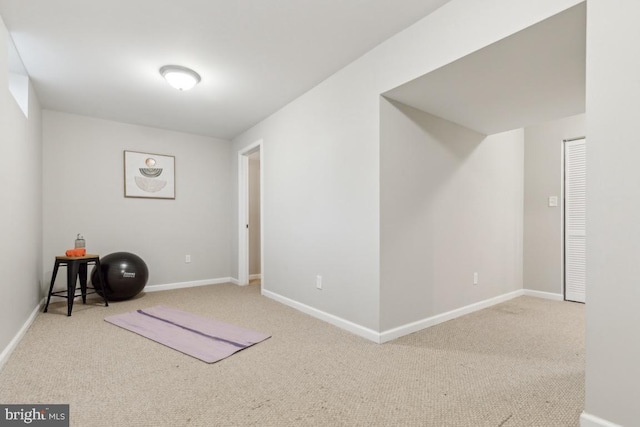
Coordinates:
[553,201]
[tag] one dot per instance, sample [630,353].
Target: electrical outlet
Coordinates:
[187,259]
[319,282]
[475,278]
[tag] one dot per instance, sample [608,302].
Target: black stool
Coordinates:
[76,268]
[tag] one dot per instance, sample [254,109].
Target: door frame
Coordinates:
[243,211]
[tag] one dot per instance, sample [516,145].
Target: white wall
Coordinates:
[320,204]
[322,166]
[83,193]
[254,213]
[451,205]
[21,206]
[543,230]
[613,212]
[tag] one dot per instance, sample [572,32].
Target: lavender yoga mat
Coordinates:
[206,339]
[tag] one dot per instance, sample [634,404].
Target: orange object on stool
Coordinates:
[76,252]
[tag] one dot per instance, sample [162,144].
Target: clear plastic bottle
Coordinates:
[80,243]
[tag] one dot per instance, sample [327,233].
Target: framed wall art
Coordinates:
[149,175]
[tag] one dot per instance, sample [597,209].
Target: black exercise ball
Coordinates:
[124,275]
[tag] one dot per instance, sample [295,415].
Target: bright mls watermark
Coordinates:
[34,415]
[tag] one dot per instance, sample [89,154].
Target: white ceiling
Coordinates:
[531,77]
[101,58]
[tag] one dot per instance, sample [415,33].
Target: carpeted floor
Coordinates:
[520,363]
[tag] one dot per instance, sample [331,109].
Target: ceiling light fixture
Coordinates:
[182,78]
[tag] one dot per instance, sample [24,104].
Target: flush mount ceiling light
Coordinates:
[182,78]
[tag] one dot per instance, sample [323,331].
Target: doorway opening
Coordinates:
[250,223]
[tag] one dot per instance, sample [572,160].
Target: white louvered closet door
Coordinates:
[575,220]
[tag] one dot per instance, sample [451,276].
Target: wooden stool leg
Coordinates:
[72,277]
[53,280]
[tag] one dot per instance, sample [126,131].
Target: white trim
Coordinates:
[329,318]
[243,209]
[562,179]
[4,356]
[410,328]
[255,276]
[243,220]
[262,156]
[193,284]
[180,285]
[588,420]
[395,332]
[545,295]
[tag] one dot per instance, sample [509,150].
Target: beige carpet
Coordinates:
[520,363]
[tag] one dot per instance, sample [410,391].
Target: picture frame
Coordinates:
[149,175]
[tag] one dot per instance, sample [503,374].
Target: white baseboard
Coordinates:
[410,328]
[234,281]
[192,284]
[329,318]
[255,276]
[4,356]
[545,295]
[391,334]
[169,286]
[588,420]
